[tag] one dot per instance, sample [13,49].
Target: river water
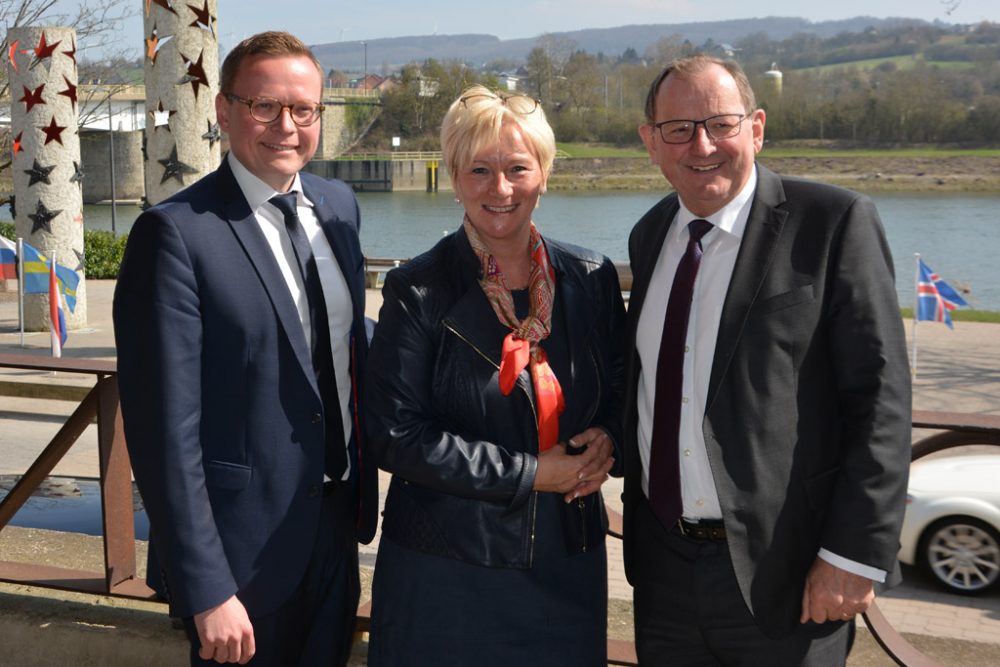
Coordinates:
[958,235]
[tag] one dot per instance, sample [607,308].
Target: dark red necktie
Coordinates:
[322,355]
[664,466]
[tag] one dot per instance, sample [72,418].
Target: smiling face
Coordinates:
[500,188]
[274,152]
[706,173]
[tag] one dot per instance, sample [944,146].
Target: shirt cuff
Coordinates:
[853,567]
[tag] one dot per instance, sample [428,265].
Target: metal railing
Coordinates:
[119,576]
[100,403]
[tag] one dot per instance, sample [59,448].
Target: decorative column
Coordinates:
[45,147]
[182,78]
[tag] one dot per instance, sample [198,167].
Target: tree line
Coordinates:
[928,84]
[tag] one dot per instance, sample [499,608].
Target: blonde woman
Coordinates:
[494,400]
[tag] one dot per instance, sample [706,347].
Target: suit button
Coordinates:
[317,418]
[314,491]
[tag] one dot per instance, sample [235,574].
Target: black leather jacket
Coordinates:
[462,455]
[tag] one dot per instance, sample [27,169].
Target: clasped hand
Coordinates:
[576,475]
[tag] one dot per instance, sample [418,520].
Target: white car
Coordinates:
[952,523]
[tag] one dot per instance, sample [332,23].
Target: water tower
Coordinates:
[773,77]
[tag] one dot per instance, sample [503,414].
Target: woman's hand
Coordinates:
[580,474]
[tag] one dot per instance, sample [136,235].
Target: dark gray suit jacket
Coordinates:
[807,422]
[222,415]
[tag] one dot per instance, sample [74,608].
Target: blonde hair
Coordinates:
[475,119]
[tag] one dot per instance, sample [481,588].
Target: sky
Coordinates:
[323,21]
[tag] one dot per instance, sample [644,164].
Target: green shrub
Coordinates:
[102,250]
[103,253]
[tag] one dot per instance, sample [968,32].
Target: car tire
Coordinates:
[962,554]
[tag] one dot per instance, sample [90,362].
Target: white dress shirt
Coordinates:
[335,292]
[720,246]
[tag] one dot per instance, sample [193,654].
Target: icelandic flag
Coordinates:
[57,320]
[935,297]
[8,259]
[36,276]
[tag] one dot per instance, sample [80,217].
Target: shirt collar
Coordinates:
[256,191]
[732,217]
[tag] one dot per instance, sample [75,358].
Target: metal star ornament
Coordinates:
[53,132]
[203,18]
[16,144]
[77,176]
[154,43]
[212,135]
[31,99]
[39,174]
[80,261]
[42,217]
[195,73]
[70,91]
[174,168]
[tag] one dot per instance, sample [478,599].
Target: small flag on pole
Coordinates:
[57,321]
[35,267]
[935,298]
[8,259]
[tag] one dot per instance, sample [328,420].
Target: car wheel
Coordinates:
[962,553]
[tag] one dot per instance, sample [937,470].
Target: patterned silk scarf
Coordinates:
[521,346]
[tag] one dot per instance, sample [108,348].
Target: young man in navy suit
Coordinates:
[766,460]
[239,320]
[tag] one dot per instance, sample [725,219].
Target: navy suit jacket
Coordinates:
[222,415]
[807,422]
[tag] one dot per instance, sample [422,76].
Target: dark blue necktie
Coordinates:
[664,466]
[322,355]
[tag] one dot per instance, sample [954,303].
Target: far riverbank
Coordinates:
[867,174]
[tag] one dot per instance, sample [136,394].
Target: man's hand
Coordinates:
[225,633]
[832,594]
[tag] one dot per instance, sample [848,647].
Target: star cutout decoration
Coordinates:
[174,168]
[30,99]
[77,176]
[79,260]
[212,135]
[45,50]
[41,218]
[203,19]
[53,132]
[70,91]
[166,4]
[12,54]
[39,174]
[12,205]
[16,146]
[71,54]
[161,117]
[154,43]
[195,74]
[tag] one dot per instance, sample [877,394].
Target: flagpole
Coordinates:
[916,309]
[20,287]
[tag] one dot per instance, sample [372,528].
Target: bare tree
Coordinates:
[97,24]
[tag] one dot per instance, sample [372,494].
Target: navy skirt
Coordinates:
[430,610]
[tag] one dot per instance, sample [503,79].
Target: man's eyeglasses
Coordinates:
[516,102]
[268,109]
[717,127]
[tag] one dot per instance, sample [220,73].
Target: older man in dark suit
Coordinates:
[239,317]
[767,442]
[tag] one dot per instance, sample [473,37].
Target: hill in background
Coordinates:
[392,53]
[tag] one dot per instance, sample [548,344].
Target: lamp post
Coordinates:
[365,79]
[111,156]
